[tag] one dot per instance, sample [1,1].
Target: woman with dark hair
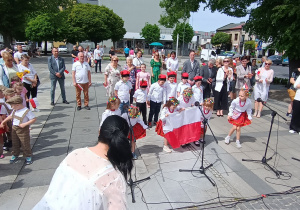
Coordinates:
[172,64]
[93,177]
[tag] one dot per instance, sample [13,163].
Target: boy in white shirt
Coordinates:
[21,118]
[155,97]
[140,97]
[122,90]
[171,86]
[183,84]
[198,89]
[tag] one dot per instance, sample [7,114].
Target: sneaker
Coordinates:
[28,161]
[35,110]
[149,124]
[13,159]
[227,140]
[1,156]
[238,144]
[167,149]
[65,102]
[78,108]
[292,131]
[287,114]
[134,156]
[5,148]
[290,115]
[87,108]
[197,143]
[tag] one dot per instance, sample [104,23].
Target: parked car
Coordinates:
[285,61]
[276,59]
[25,46]
[63,48]
[207,54]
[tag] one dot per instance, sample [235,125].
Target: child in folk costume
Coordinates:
[171,86]
[122,89]
[198,89]
[183,84]
[239,115]
[171,106]
[140,97]
[143,75]
[112,108]
[21,118]
[138,126]
[186,99]
[155,98]
[207,109]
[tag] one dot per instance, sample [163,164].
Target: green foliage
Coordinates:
[249,45]
[185,32]
[151,33]
[220,38]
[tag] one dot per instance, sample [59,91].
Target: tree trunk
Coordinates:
[46,48]
[7,40]
[293,65]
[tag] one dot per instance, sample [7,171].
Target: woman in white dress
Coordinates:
[263,77]
[112,75]
[93,177]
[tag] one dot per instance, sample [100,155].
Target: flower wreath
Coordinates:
[130,114]
[174,101]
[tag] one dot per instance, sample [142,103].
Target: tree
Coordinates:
[273,21]
[98,23]
[185,32]
[16,13]
[220,39]
[249,45]
[151,33]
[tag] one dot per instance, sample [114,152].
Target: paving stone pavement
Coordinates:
[61,129]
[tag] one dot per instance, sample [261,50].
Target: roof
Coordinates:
[231,26]
[134,35]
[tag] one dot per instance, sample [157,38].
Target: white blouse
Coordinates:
[170,90]
[183,104]
[134,121]
[85,180]
[220,78]
[198,93]
[172,64]
[30,75]
[236,106]
[165,111]
[108,113]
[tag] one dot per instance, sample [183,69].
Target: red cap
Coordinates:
[184,75]
[162,77]
[171,74]
[198,78]
[125,73]
[143,83]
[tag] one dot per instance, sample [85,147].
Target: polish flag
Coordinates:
[184,127]
[80,86]
[66,71]
[34,102]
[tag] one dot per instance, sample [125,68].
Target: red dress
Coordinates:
[138,131]
[159,129]
[241,121]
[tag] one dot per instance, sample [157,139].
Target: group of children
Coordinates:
[176,98]
[15,119]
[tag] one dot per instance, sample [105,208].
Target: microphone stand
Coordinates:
[264,159]
[202,169]
[130,182]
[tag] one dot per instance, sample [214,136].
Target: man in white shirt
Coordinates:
[98,57]
[17,55]
[81,74]
[57,67]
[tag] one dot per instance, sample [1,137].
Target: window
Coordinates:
[236,37]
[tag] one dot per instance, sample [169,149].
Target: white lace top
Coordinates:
[84,180]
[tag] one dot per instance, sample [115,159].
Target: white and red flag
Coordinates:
[34,102]
[78,85]
[184,127]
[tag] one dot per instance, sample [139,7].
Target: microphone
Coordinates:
[197,103]
[260,100]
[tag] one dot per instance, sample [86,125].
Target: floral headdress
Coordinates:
[247,92]
[130,114]
[174,101]
[112,99]
[188,92]
[209,101]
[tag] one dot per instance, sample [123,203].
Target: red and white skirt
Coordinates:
[138,131]
[241,121]
[159,129]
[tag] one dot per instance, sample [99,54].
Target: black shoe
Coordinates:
[52,104]
[197,143]
[65,102]
[87,108]
[78,108]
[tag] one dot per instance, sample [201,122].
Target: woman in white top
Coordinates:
[172,64]
[7,69]
[295,121]
[29,79]
[112,75]
[93,177]
[224,75]
[263,77]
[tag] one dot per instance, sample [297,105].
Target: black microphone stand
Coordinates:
[130,182]
[265,160]
[202,169]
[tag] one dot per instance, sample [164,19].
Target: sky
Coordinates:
[208,21]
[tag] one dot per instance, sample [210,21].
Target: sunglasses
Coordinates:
[268,64]
[225,61]
[116,60]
